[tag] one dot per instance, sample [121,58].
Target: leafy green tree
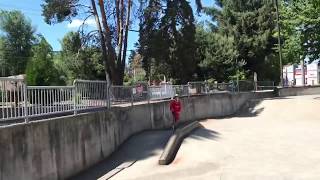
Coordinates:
[16,42]
[40,70]
[301,29]
[251,25]
[113,19]
[217,54]
[78,60]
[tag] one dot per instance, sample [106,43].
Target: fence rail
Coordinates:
[19,101]
[12,98]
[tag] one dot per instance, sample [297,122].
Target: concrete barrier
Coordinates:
[175,141]
[298,91]
[59,148]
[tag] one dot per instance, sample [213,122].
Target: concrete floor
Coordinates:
[276,139]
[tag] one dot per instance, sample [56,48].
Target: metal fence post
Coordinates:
[148,94]
[25,94]
[108,96]
[132,96]
[75,98]
[188,85]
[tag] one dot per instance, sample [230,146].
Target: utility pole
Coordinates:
[279,43]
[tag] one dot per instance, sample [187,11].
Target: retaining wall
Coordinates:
[61,147]
[298,91]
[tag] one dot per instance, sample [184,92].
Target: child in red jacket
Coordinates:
[175,108]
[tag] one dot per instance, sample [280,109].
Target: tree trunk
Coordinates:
[102,42]
[114,62]
[124,55]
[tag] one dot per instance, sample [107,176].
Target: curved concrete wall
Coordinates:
[61,147]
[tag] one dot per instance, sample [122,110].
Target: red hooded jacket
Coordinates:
[175,108]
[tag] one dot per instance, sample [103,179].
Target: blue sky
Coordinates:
[54,33]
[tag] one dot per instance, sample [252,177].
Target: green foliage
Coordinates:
[243,32]
[15,42]
[78,61]
[111,34]
[167,40]
[301,29]
[40,70]
[216,53]
[57,11]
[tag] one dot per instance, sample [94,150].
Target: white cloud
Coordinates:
[78,22]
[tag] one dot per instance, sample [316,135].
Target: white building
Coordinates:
[288,75]
[313,73]
[292,74]
[298,75]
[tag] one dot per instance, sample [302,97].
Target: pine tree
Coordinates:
[167,39]
[252,25]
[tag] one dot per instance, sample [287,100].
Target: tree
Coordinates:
[252,25]
[16,42]
[167,39]
[79,60]
[301,29]
[216,53]
[40,70]
[112,20]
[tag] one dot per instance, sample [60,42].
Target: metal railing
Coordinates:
[165,90]
[12,98]
[19,101]
[91,94]
[129,94]
[265,85]
[45,100]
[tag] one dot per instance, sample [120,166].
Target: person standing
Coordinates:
[175,108]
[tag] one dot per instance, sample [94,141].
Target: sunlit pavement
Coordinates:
[278,139]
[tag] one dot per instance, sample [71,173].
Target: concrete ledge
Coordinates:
[175,141]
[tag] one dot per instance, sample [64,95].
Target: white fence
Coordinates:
[12,99]
[19,101]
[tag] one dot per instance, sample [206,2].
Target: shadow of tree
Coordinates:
[204,134]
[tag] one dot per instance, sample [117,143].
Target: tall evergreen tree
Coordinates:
[251,24]
[167,39]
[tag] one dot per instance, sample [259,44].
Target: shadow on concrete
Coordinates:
[250,108]
[247,110]
[204,134]
[136,148]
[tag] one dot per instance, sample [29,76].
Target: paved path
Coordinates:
[278,139]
